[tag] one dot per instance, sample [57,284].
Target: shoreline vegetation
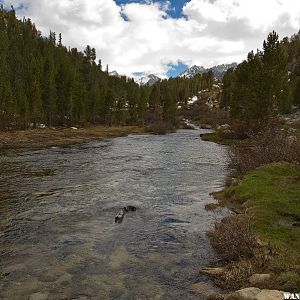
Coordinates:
[259,243]
[44,138]
[214,137]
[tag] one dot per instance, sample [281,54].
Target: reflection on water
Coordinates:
[58,236]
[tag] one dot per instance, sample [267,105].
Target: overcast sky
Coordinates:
[160,36]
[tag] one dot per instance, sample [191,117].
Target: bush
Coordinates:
[159,128]
[202,114]
[236,131]
[233,238]
[265,148]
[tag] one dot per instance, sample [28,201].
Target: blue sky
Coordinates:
[175,9]
[175,70]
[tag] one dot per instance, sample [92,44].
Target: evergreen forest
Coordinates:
[265,85]
[44,82]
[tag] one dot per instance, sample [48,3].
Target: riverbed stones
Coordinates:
[257,279]
[38,296]
[203,289]
[253,293]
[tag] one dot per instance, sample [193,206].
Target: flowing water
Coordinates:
[58,236]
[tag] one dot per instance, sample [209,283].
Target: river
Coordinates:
[58,236]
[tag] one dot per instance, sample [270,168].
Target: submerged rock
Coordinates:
[38,296]
[253,293]
[203,289]
[130,208]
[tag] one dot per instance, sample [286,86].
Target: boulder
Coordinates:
[246,294]
[257,279]
[270,295]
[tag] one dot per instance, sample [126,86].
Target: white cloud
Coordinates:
[146,39]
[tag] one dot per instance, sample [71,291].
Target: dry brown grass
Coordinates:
[237,274]
[41,138]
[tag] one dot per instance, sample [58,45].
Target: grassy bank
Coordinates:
[42,138]
[271,196]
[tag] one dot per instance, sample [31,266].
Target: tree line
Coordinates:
[266,84]
[42,81]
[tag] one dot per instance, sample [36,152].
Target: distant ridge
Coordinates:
[218,71]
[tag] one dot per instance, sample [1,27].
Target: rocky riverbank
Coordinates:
[260,242]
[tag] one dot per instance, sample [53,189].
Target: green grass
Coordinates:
[273,192]
[272,195]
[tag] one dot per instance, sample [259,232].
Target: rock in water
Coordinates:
[203,289]
[120,216]
[252,293]
[38,296]
[130,208]
[121,213]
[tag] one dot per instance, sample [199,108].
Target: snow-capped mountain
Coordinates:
[145,80]
[218,71]
[148,80]
[191,72]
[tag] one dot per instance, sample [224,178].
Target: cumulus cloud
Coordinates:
[142,37]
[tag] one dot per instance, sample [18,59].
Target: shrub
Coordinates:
[159,128]
[265,148]
[202,114]
[237,130]
[233,238]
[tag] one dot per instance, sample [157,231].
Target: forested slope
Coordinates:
[42,81]
[266,84]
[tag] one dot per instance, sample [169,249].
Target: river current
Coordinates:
[58,236]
